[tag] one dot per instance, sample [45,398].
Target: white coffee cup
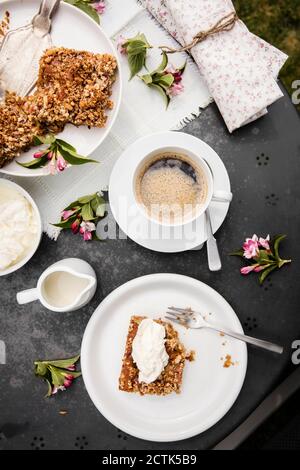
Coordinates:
[188,216]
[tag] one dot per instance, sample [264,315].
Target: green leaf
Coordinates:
[43,140]
[136,63]
[263,257]
[147,78]
[88,9]
[98,205]
[63,363]
[34,164]
[71,372]
[57,377]
[49,391]
[71,158]
[264,274]
[166,81]
[183,67]
[141,37]
[86,199]
[66,223]
[87,212]
[162,65]
[276,242]
[65,145]
[162,92]
[40,369]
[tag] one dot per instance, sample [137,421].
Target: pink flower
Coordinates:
[73,367]
[248,269]
[251,247]
[50,155]
[261,268]
[120,44]
[38,154]
[175,90]
[69,377]
[52,167]
[68,383]
[61,164]
[264,242]
[67,214]
[177,74]
[86,229]
[99,7]
[55,389]
[75,226]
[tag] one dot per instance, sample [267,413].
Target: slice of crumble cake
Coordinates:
[170,379]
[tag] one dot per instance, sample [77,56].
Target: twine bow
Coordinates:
[224,24]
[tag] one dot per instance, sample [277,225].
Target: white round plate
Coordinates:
[73,29]
[135,224]
[209,390]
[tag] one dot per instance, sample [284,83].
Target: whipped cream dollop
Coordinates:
[18,227]
[148,350]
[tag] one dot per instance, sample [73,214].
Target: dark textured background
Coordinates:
[263,163]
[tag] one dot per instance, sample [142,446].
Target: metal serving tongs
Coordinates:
[21,50]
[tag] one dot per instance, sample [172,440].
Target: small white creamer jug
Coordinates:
[65,286]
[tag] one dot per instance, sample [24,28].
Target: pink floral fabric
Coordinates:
[240,69]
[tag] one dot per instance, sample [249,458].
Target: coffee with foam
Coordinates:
[171,187]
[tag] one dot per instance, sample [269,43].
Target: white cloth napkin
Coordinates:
[239,68]
[142,112]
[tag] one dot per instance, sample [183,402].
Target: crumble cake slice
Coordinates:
[74,87]
[17,128]
[170,379]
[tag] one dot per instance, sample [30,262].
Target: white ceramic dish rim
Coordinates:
[30,254]
[149,140]
[117,105]
[155,437]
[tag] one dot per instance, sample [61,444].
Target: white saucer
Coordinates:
[135,224]
[208,390]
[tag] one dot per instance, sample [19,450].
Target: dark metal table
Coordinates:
[263,163]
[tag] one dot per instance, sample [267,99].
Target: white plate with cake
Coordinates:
[188,396]
[71,29]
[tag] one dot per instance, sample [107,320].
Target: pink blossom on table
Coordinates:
[251,247]
[248,269]
[68,382]
[121,41]
[75,226]
[52,166]
[73,367]
[38,154]
[67,214]
[260,268]
[50,155]
[86,229]
[264,242]
[99,7]
[55,389]
[61,164]
[175,90]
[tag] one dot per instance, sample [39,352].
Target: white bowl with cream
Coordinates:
[20,227]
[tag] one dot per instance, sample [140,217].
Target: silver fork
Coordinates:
[192,319]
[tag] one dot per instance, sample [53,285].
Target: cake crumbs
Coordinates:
[191,356]
[228,362]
